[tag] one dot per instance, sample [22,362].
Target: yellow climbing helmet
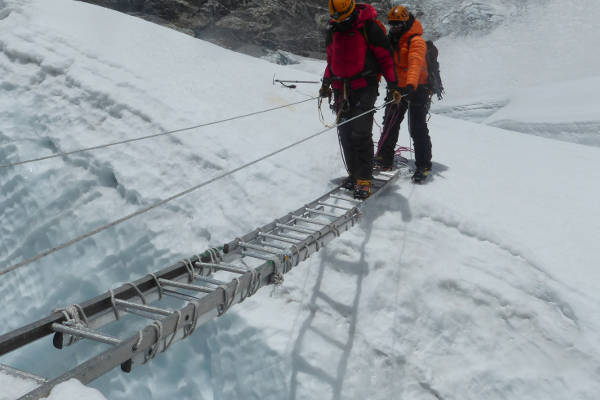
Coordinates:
[341,9]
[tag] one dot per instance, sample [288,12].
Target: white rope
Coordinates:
[190,269]
[74,317]
[176,196]
[139,292]
[228,301]
[137,344]
[157,325]
[114,305]
[158,285]
[103,146]
[167,345]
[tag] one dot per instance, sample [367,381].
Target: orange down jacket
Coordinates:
[411,63]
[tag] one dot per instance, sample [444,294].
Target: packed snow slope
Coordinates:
[482,284]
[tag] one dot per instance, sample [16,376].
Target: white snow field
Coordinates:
[482,284]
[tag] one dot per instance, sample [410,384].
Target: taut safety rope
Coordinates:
[137,139]
[178,195]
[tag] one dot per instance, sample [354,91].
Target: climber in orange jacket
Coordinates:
[410,61]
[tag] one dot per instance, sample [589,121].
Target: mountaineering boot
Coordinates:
[420,174]
[348,183]
[362,190]
[379,165]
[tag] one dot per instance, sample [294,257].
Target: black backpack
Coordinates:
[433,69]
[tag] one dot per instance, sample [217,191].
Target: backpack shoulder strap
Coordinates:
[363,29]
[411,38]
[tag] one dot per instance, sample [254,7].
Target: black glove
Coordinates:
[393,94]
[325,90]
[407,92]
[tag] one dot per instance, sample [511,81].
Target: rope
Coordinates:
[72,315]
[388,123]
[103,146]
[180,194]
[228,302]
[137,344]
[157,325]
[139,292]
[167,345]
[158,285]
[190,269]
[114,305]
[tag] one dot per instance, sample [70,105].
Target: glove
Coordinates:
[325,91]
[394,95]
[407,92]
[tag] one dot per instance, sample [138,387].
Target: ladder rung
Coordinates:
[258,248]
[275,246]
[224,267]
[311,221]
[297,228]
[258,256]
[142,307]
[321,212]
[210,280]
[85,333]
[281,238]
[180,295]
[348,199]
[385,173]
[187,286]
[333,206]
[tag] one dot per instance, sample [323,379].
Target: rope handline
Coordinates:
[103,146]
[176,196]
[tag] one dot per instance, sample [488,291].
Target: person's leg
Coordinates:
[394,115]
[418,110]
[345,135]
[362,135]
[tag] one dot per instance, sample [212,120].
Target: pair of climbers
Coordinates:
[358,53]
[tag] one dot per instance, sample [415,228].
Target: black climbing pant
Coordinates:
[356,137]
[417,108]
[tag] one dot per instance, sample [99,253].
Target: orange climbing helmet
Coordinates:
[398,14]
[341,9]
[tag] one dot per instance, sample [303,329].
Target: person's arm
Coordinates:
[381,48]
[328,74]
[417,53]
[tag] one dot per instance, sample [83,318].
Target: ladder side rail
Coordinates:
[98,310]
[124,353]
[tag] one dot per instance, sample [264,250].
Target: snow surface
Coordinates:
[482,284]
[536,73]
[15,385]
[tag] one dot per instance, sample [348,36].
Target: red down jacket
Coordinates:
[351,55]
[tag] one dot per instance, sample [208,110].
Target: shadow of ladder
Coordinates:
[301,355]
